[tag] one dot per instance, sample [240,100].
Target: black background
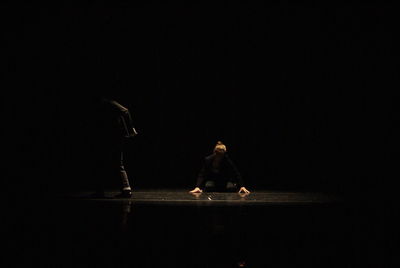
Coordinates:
[301,92]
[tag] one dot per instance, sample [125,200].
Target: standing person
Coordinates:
[219,173]
[114,126]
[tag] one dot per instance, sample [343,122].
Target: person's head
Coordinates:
[220,148]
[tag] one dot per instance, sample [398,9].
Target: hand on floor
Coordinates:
[243,190]
[196,190]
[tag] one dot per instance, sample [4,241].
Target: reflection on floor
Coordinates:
[183,197]
[177,229]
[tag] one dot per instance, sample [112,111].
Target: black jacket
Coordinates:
[115,120]
[227,171]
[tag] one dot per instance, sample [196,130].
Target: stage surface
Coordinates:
[183,197]
[173,228]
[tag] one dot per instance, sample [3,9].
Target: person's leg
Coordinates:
[125,185]
[209,186]
[231,187]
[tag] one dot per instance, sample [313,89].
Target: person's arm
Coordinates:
[117,107]
[201,177]
[238,176]
[200,180]
[236,172]
[125,116]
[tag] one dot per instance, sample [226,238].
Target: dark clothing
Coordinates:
[224,176]
[115,120]
[110,164]
[220,186]
[114,125]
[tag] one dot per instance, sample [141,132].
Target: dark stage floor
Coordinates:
[183,197]
[172,228]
